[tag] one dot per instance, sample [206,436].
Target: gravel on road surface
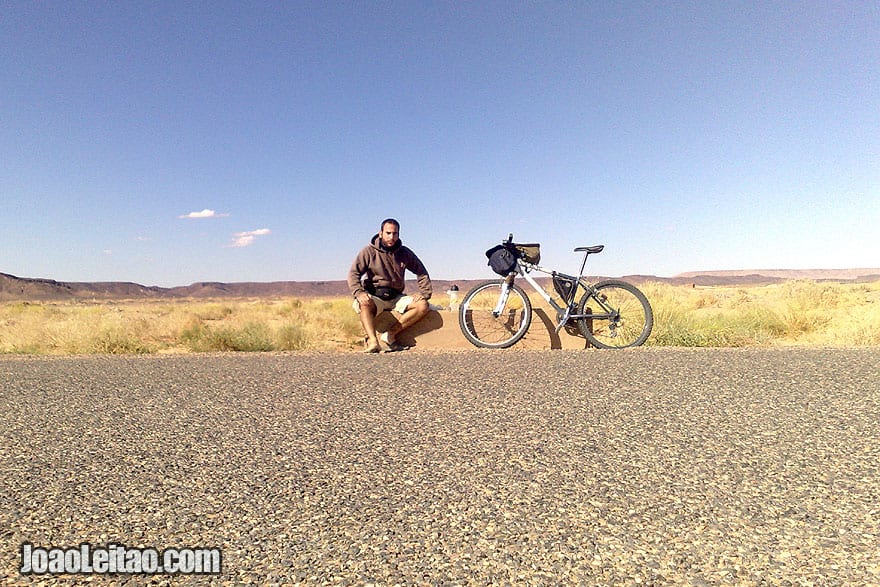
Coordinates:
[647,466]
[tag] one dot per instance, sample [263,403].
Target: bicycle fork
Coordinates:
[502,299]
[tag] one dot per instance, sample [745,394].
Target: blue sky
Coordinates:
[682,135]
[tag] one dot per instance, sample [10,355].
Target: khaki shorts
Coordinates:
[398,304]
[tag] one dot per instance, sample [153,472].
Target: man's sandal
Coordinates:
[396,347]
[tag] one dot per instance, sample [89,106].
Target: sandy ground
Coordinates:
[439,330]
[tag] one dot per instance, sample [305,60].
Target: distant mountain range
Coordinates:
[30,289]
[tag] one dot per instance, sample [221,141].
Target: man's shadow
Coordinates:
[432,321]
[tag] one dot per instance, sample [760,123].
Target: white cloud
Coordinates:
[244,239]
[206,213]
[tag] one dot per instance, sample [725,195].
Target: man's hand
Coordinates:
[363,297]
[417,297]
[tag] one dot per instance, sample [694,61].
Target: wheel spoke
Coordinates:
[485,322]
[622,319]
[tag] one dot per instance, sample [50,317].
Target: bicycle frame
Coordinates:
[498,313]
[523,269]
[568,312]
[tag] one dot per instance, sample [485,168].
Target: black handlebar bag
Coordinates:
[502,259]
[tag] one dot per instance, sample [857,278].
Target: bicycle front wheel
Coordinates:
[487,323]
[618,315]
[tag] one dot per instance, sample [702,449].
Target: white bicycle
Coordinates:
[610,314]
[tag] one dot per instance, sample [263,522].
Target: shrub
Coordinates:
[799,312]
[250,337]
[292,337]
[116,341]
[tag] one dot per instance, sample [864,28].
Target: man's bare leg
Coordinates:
[368,321]
[414,312]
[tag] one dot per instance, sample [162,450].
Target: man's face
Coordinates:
[389,234]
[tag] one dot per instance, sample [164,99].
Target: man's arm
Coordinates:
[416,266]
[355,272]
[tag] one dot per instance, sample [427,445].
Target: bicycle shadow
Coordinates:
[440,330]
[550,327]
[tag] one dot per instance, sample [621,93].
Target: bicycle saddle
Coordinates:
[593,249]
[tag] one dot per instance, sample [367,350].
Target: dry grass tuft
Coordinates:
[791,313]
[177,326]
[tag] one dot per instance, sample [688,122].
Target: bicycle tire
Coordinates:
[631,323]
[478,322]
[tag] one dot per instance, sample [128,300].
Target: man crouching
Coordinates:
[376,280]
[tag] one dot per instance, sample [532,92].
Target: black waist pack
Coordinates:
[385,293]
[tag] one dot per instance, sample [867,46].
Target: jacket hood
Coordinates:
[376,242]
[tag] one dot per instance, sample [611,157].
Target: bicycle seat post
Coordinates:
[587,251]
[584,264]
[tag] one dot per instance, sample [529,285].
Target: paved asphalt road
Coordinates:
[651,466]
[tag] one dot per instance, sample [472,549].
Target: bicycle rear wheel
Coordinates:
[619,315]
[483,326]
